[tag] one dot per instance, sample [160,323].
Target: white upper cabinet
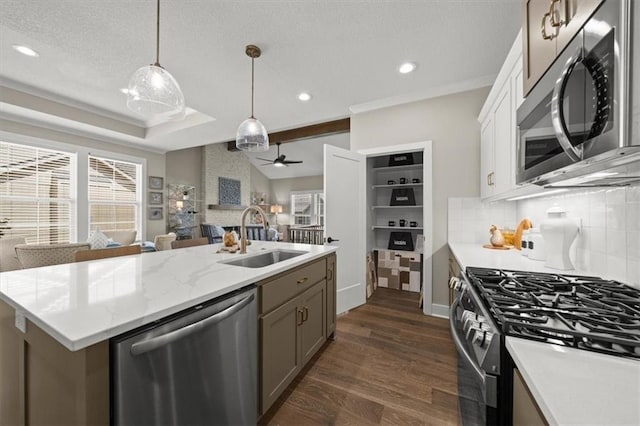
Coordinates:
[498,127]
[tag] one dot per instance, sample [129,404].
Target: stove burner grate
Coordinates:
[581,312]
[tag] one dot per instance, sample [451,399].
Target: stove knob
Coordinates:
[483,338]
[455,283]
[452,282]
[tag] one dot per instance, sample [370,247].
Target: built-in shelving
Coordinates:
[396,207]
[410,228]
[396,168]
[264,207]
[397,185]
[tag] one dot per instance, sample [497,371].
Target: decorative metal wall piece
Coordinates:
[229,191]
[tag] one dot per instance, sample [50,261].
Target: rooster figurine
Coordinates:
[522,226]
[497,239]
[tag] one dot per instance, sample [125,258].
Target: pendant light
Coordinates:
[152,90]
[251,135]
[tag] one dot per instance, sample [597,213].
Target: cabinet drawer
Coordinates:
[277,291]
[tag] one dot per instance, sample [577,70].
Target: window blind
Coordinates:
[36,193]
[114,199]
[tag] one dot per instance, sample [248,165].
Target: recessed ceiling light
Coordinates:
[406,68]
[304,96]
[26,50]
[125,90]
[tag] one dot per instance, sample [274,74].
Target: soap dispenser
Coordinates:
[558,232]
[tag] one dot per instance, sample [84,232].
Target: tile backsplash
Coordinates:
[469,219]
[608,244]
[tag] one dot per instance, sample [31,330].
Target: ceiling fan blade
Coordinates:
[264,159]
[292,162]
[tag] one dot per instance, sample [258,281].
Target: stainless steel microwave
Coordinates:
[579,126]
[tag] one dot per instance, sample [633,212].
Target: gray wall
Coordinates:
[451,123]
[281,188]
[155,161]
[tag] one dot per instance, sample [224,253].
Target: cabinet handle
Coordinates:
[299,317]
[543,29]
[488,179]
[552,14]
[305,313]
[302,280]
[330,274]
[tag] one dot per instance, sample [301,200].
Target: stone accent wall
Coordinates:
[219,162]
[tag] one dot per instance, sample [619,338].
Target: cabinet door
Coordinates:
[314,320]
[538,52]
[525,409]
[503,145]
[574,13]
[280,350]
[486,158]
[331,295]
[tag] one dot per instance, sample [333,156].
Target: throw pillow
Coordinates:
[98,240]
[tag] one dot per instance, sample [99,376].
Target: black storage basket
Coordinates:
[402,197]
[401,159]
[401,241]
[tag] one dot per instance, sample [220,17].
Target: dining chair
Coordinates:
[36,255]
[8,258]
[163,242]
[189,243]
[83,255]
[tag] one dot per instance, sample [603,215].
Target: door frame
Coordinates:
[427,210]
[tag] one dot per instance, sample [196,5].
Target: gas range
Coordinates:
[581,312]
[587,313]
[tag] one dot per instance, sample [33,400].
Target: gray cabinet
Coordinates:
[295,308]
[548,26]
[280,360]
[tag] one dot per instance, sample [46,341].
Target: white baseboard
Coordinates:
[350,297]
[441,311]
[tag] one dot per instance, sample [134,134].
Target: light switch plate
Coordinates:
[21,322]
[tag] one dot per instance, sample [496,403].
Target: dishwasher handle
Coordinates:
[145,346]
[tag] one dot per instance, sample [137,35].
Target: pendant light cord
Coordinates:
[158,35]
[252,80]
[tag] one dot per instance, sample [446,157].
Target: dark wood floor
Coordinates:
[390,364]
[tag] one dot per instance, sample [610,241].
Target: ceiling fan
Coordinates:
[280,160]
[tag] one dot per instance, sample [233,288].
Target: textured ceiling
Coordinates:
[344,53]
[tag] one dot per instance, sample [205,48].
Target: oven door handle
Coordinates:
[458,342]
[557,113]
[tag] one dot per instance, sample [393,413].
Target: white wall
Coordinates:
[155,162]
[451,123]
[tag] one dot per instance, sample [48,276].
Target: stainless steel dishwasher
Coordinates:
[199,367]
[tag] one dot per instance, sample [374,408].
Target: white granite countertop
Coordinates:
[476,255]
[577,387]
[571,386]
[80,304]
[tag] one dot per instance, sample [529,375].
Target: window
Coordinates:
[307,208]
[37,194]
[114,195]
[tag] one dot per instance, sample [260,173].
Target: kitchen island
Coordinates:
[569,386]
[57,369]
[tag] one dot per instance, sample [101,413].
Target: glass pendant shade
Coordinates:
[252,136]
[154,92]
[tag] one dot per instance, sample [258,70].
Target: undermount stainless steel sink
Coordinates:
[264,259]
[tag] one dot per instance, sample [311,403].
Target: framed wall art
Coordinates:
[155,198]
[155,213]
[156,182]
[229,191]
